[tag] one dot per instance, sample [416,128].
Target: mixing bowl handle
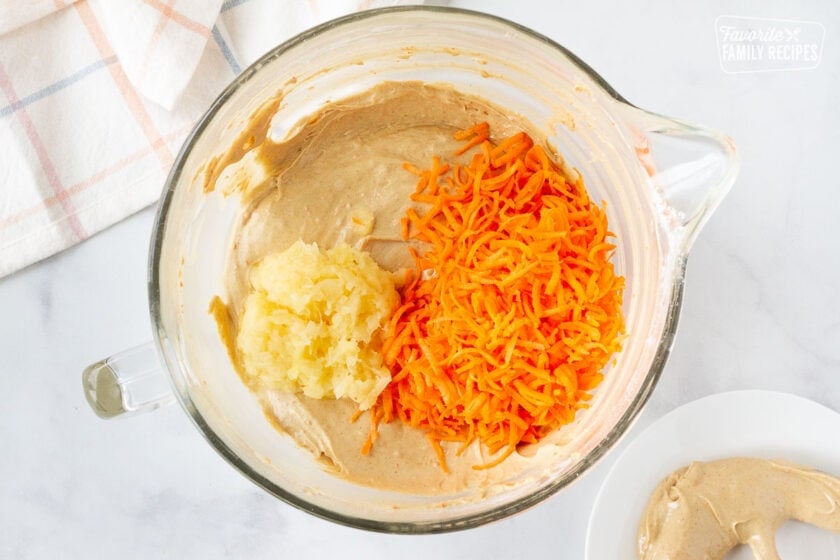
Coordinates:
[692,167]
[127,383]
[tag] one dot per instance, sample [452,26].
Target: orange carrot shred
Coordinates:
[514,308]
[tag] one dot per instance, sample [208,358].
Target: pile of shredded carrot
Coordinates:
[514,309]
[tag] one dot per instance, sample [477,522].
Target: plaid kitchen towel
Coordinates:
[96,97]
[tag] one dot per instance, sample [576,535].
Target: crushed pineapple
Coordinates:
[311,323]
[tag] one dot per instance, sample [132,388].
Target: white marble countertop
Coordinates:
[759,312]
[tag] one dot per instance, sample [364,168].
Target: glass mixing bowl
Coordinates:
[660,177]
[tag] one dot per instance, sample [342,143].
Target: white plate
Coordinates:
[742,423]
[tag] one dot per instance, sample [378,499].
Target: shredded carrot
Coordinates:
[514,309]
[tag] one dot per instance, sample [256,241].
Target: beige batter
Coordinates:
[704,510]
[342,167]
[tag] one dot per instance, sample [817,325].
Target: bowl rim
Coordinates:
[172,366]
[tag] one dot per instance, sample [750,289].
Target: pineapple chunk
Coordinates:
[311,323]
